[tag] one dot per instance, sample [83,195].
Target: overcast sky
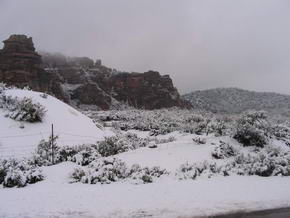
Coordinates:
[200,43]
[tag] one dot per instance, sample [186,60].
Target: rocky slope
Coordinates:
[83,82]
[234,100]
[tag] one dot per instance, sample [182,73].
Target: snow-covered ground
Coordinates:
[167,197]
[56,196]
[70,125]
[169,155]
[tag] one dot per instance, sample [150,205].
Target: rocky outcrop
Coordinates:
[83,82]
[147,90]
[95,84]
[91,94]
[21,65]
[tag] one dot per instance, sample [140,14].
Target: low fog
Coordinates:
[200,43]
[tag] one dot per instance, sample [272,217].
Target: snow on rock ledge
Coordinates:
[70,125]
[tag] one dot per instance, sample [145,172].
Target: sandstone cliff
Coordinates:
[83,82]
[21,65]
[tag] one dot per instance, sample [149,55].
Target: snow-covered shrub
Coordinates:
[3,87]
[108,170]
[3,170]
[23,109]
[67,153]
[44,95]
[86,155]
[82,154]
[166,140]
[163,129]
[134,141]
[201,127]
[104,171]
[199,140]
[111,146]
[282,133]
[197,128]
[20,109]
[46,152]
[26,88]
[252,129]
[19,173]
[14,177]
[120,143]
[266,162]
[158,122]
[194,118]
[146,174]
[78,175]
[224,150]
[153,146]
[220,126]
[192,171]
[269,161]
[34,175]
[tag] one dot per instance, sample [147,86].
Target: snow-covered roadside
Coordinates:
[165,198]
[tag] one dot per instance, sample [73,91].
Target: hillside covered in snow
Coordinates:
[234,100]
[21,129]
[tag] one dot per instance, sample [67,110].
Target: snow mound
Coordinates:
[21,138]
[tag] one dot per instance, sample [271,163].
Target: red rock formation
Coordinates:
[91,94]
[147,90]
[21,66]
[85,82]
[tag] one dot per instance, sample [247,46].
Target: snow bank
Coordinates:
[70,125]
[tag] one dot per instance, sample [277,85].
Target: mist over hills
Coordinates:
[236,100]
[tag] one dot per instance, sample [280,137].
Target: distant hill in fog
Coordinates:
[234,100]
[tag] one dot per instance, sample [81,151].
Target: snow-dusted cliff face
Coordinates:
[82,82]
